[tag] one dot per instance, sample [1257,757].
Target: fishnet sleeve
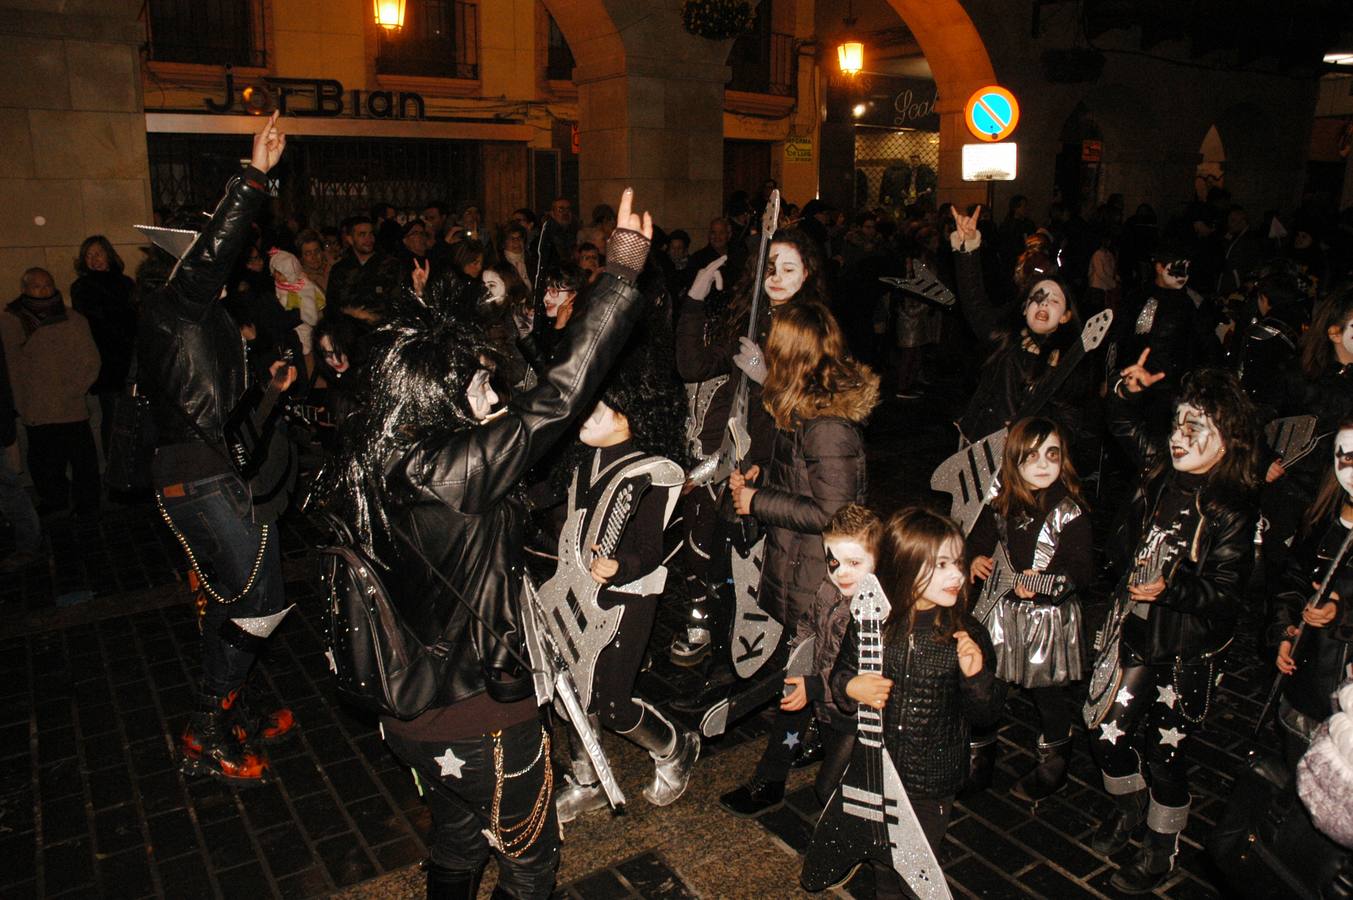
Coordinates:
[626,253]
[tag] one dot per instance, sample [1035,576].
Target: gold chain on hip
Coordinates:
[192,558]
[514,840]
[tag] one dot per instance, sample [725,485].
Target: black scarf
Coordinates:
[35,312]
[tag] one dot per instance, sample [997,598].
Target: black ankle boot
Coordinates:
[1153,864]
[754,798]
[452,884]
[1122,825]
[1048,776]
[210,745]
[981,767]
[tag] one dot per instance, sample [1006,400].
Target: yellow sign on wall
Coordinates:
[799,148]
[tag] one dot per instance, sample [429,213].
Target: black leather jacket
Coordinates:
[464,514]
[189,351]
[933,705]
[1195,617]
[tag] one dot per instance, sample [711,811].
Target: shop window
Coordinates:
[763,60]
[559,61]
[208,32]
[440,39]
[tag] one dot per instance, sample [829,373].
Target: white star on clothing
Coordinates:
[792,739]
[1111,732]
[1171,736]
[450,763]
[1167,695]
[1123,697]
[333,664]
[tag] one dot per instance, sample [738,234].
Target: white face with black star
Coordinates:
[847,563]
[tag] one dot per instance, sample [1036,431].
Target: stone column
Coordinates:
[72,133]
[652,117]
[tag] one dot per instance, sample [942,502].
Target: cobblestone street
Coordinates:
[99,660]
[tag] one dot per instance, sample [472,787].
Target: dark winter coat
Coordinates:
[105,299]
[825,622]
[933,706]
[1194,619]
[813,471]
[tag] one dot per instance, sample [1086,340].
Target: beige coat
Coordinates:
[50,370]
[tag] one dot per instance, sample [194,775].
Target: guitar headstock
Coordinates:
[1092,335]
[770,219]
[870,603]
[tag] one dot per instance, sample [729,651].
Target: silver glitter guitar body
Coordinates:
[869,816]
[1292,437]
[1004,578]
[577,622]
[755,632]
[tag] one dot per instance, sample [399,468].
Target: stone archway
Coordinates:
[960,64]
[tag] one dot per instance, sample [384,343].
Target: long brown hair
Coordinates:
[1317,351]
[1217,392]
[1014,497]
[733,323]
[912,542]
[808,364]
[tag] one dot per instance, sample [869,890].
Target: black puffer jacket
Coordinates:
[813,471]
[933,706]
[1195,617]
[825,622]
[190,354]
[463,513]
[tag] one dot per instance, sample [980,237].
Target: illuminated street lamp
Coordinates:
[390,14]
[850,52]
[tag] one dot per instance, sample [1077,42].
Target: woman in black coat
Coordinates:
[103,295]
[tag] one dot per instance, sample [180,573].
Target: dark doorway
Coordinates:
[746,166]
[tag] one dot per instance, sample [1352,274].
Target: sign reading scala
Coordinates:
[991,113]
[315,97]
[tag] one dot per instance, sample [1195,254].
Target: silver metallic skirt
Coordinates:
[1037,644]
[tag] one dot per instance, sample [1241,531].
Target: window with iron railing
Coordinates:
[559,61]
[207,32]
[440,39]
[763,60]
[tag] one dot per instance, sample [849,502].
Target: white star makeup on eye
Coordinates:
[1123,697]
[1111,732]
[1196,445]
[450,763]
[792,739]
[1343,459]
[1167,695]
[1171,736]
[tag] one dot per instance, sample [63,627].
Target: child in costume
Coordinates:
[1038,519]
[938,677]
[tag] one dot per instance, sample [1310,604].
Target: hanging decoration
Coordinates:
[717,19]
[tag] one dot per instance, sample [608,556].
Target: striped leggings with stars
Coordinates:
[1156,708]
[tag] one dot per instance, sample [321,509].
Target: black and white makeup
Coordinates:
[847,562]
[1042,466]
[480,395]
[1173,274]
[604,427]
[1046,308]
[1343,460]
[785,273]
[1196,445]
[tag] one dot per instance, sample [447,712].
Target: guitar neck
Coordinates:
[869,721]
[615,525]
[1046,389]
[1040,582]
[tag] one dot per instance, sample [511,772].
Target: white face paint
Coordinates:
[946,580]
[481,395]
[847,563]
[1195,443]
[555,298]
[494,283]
[1343,460]
[1172,275]
[1046,308]
[785,273]
[604,427]
[1042,466]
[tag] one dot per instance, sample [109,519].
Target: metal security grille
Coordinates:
[559,62]
[210,32]
[440,39]
[882,155]
[325,179]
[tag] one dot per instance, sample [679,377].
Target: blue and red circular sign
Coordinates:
[992,113]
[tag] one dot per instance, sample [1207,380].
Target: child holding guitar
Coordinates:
[1038,532]
[1189,531]
[938,679]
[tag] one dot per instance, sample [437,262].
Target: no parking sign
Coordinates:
[992,113]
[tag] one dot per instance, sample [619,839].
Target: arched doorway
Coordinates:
[1211,171]
[1076,173]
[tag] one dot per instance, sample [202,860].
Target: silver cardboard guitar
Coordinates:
[755,632]
[1004,578]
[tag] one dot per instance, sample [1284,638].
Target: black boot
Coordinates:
[1122,825]
[1153,864]
[1049,775]
[210,745]
[452,884]
[261,725]
[981,766]
[754,798]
